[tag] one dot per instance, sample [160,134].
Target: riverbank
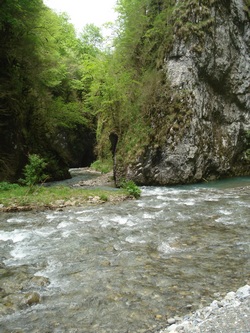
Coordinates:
[228,315]
[130,266]
[97,188]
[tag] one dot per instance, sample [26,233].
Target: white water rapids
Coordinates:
[125,267]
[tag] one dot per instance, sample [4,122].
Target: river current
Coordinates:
[125,267]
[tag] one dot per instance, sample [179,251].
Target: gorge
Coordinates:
[173,89]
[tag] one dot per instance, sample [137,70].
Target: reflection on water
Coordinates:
[127,267]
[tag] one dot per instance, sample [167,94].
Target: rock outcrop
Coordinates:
[209,65]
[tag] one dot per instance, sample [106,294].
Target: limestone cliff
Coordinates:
[208,66]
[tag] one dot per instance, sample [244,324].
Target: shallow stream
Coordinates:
[125,267]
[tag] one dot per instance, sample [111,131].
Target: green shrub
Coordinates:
[5,186]
[131,188]
[104,166]
[34,171]
[104,197]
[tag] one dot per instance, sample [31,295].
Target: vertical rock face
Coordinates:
[211,68]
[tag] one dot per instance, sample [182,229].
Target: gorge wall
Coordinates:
[208,67]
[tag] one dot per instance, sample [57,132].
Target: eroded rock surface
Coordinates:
[210,68]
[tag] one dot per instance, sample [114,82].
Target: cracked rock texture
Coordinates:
[213,72]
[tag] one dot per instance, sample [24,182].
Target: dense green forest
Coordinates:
[63,95]
[46,74]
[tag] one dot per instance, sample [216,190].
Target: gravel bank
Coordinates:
[229,315]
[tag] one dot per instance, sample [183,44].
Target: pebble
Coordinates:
[190,324]
[243,292]
[171,321]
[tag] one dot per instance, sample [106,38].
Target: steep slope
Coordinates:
[204,122]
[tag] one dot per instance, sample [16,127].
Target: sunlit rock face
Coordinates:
[211,69]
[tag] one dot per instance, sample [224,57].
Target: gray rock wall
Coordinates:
[214,71]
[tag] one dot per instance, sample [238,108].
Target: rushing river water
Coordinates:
[125,267]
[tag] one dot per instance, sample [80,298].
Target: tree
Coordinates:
[40,87]
[131,87]
[91,39]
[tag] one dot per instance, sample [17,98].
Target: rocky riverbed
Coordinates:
[132,267]
[99,179]
[228,315]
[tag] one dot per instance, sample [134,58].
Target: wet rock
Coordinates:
[12,285]
[40,281]
[20,300]
[32,298]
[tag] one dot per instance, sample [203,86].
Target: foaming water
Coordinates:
[127,267]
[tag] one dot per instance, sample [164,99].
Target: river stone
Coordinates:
[40,281]
[243,292]
[171,321]
[171,328]
[32,298]
[230,296]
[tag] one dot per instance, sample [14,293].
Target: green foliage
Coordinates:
[48,197]
[247,7]
[129,89]
[91,39]
[65,115]
[247,155]
[103,197]
[34,171]
[54,84]
[104,166]
[131,188]
[247,135]
[42,83]
[5,186]
[191,19]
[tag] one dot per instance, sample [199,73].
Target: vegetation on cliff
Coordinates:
[148,113]
[42,89]
[62,96]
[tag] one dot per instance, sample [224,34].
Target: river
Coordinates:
[124,268]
